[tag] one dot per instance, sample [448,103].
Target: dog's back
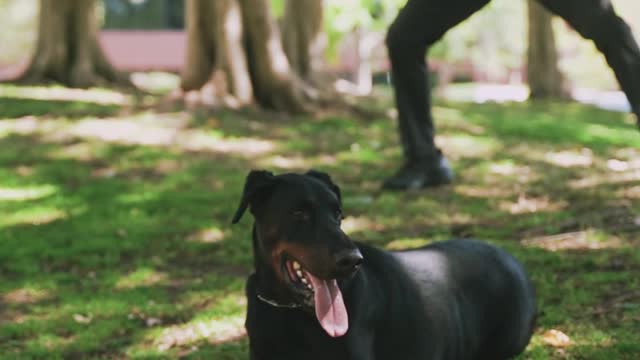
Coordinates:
[457,299]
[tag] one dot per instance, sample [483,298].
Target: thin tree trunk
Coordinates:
[67,49]
[543,74]
[200,55]
[365,43]
[234,56]
[275,85]
[231,61]
[216,65]
[302,36]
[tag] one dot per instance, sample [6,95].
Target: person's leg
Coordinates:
[597,20]
[418,25]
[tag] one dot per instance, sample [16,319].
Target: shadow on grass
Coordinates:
[124,249]
[107,226]
[11,108]
[555,123]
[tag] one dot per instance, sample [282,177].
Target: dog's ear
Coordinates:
[258,181]
[325,178]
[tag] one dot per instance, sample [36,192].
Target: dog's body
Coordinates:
[458,299]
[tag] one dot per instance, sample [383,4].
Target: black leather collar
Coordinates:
[278,305]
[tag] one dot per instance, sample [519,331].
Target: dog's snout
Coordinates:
[348,261]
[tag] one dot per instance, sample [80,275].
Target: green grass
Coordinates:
[115,236]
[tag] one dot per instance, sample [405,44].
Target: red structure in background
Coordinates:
[157,50]
[137,50]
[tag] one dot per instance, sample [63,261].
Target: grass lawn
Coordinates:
[115,236]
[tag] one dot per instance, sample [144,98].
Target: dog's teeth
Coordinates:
[310,287]
[296,265]
[304,280]
[299,273]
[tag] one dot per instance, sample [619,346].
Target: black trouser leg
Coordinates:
[596,20]
[418,25]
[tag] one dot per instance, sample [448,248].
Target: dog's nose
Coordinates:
[348,260]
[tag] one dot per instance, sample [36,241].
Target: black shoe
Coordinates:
[420,174]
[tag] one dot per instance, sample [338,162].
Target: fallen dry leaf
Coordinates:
[556,338]
[150,322]
[81,319]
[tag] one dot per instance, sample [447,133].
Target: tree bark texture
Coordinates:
[67,49]
[216,63]
[302,36]
[543,74]
[235,56]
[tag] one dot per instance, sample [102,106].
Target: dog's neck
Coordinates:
[270,288]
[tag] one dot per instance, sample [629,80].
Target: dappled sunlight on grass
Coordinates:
[554,123]
[97,96]
[223,324]
[464,146]
[505,174]
[136,197]
[25,295]
[51,342]
[526,204]
[622,166]
[215,331]
[359,154]
[483,191]
[136,133]
[78,151]
[285,162]
[407,243]
[146,129]
[36,216]
[156,82]
[117,243]
[600,132]
[579,240]
[453,115]
[167,166]
[28,125]
[603,179]
[125,132]
[632,192]
[567,159]
[507,168]
[354,224]
[27,193]
[569,341]
[626,153]
[141,277]
[210,235]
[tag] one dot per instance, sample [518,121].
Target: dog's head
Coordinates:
[298,234]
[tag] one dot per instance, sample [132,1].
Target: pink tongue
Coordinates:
[330,309]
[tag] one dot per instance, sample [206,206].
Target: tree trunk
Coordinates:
[216,63]
[543,74]
[67,50]
[234,56]
[275,85]
[302,36]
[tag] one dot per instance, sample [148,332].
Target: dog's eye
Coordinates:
[300,215]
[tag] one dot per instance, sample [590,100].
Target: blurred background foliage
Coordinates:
[493,41]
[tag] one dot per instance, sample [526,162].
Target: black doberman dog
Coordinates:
[315,294]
